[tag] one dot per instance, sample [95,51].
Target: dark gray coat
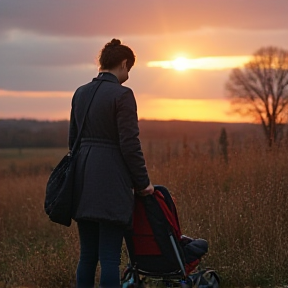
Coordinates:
[110,162]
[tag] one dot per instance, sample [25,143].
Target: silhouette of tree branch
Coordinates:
[260,89]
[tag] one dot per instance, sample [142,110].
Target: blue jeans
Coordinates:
[103,241]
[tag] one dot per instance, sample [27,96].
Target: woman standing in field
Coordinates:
[110,166]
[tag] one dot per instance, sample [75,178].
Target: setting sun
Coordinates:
[180,63]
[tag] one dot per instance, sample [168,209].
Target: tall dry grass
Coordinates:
[239,207]
[33,251]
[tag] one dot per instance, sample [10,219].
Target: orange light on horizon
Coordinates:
[205,63]
[36,105]
[208,110]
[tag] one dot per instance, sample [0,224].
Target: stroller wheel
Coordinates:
[132,281]
[210,280]
[205,279]
[187,284]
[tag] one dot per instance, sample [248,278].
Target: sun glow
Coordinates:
[187,109]
[180,64]
[205,63]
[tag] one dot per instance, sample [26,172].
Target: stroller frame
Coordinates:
[201,278]
[134,276]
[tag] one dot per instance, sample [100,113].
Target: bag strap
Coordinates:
[75,145]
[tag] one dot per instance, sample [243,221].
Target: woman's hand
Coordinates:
[147,191]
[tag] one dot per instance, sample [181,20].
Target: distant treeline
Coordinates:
[32,133]
[26,133]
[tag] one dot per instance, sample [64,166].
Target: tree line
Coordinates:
[25,133]
[32,133]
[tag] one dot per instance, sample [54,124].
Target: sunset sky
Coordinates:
[185,51]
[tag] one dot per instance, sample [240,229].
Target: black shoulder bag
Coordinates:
[59,188]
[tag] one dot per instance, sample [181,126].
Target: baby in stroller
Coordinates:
[157,249]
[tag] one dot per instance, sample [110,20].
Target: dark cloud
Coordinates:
[112,17]
[27,78]
[153,81]
[34,50]
[38,63]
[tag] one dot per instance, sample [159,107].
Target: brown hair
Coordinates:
[114,53]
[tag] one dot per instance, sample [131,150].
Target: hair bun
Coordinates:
[114,42]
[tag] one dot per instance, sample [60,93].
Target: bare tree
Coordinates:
[260,90]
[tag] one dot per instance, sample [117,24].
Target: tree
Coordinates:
[260,90]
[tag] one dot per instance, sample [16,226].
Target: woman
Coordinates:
[110,165]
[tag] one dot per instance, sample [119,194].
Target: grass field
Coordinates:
[240,207]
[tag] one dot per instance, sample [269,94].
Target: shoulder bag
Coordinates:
[59,188]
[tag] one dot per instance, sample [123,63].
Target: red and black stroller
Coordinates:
[159,252]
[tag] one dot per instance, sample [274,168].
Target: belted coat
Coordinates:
[110,162]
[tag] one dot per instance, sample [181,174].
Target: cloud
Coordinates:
[39,62]
[33,78]
[130,17]
[171,84]
[51,46]
[157,83]
[26,48]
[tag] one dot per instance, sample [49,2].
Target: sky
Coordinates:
[185,50]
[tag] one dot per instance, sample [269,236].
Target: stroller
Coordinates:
[158,252]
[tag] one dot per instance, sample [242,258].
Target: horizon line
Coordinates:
[141,119]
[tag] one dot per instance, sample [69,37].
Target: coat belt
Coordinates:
[99,142]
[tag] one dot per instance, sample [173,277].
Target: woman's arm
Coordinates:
[127,122]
